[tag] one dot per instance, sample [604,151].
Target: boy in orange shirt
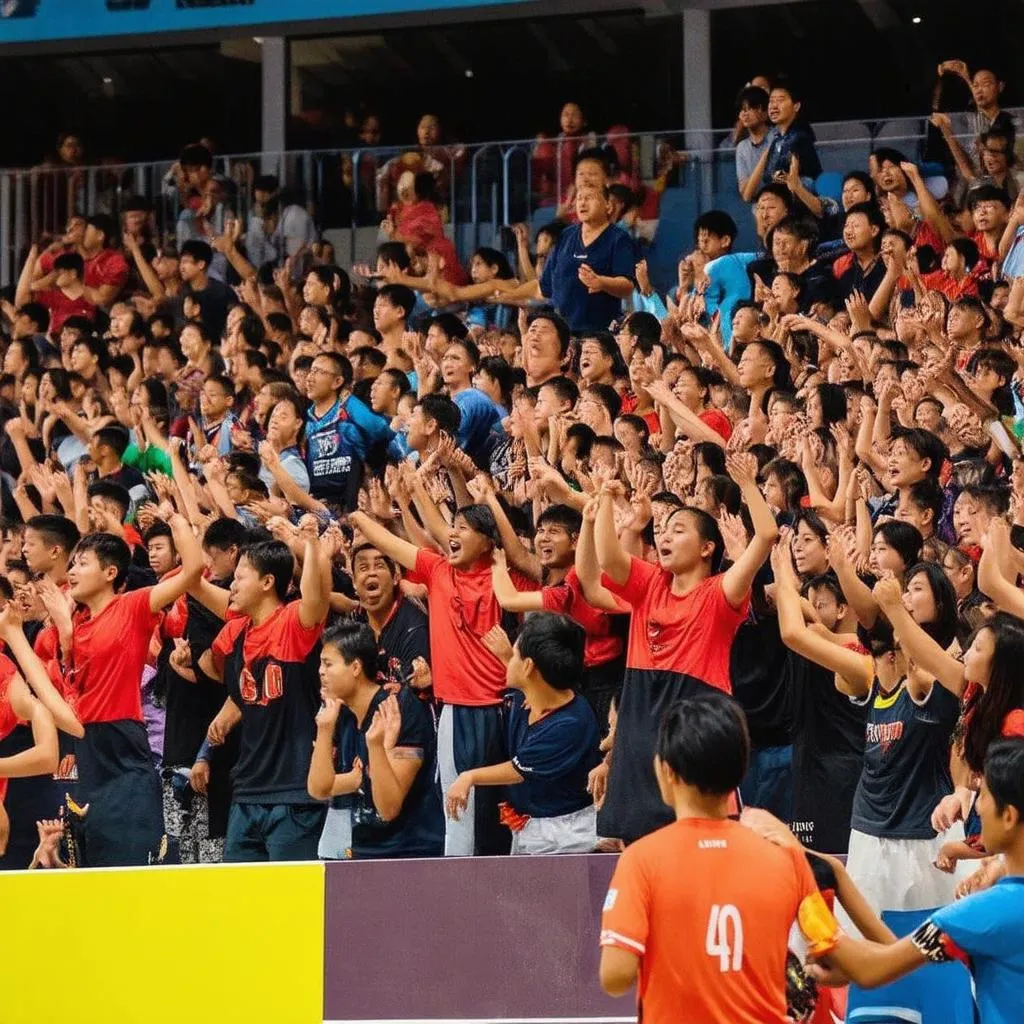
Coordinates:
[699,912]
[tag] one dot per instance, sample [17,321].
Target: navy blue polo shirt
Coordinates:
[611,254]
[554,756]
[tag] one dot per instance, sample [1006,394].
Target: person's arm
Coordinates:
[515,552]
[753,183]
[43,757]
[384,540]
[527,271]
[800,191]
[611,556]
[587,569]
[860,912]
[739,577]
[1009,235]
[214,599]
[963,162]
[314,591]
[853,670]
[878,304]
[290,490]
[457,797]
[995,556]
[23,292]
[37,677]
[511,599]
[225,720]
[322,782]
[102,295]
[393,768]
[688,422]
[145,268]
[870,964]
[512,291]
[619,287]
[930,209]
[168,590]
[917,645]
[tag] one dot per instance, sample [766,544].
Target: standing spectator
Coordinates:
[753,118]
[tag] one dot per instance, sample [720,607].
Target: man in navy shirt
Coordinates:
[375,757]
[552,741]
[985,931]
[590,271]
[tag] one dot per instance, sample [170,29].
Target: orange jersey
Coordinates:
[707,905]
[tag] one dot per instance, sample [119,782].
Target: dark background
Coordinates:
[856,58]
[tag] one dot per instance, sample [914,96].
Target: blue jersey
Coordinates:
[553,755]
[478,416]
[985,931]
[337,445]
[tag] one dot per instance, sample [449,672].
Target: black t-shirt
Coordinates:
[213,304]
[418,831]
[404,638]
[906,762]
[757,665]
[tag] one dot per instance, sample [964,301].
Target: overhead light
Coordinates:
[469,72]
[916,21]
[107,80]
[258,40]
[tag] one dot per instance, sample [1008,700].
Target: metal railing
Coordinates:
[483,186]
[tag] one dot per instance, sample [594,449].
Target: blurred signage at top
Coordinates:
[31,21]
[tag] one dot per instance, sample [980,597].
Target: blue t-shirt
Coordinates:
[728,286]
[554,756]
[478,415]
[989,928]
[611,254]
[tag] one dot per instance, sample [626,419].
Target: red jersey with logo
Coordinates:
[462,608]
[108,655]
[108,266]
[690,634]
[601,644]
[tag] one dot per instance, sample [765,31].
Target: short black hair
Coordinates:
[367,546]
[560,326]
[109,550]
[196,155]
[399,296]
[561,515]
[110,491]
[370,355]
[707,528]
[480,519]
[105,223]
[716,222]
[37,313]
[342,367]
[564,388]
[355,642]
[199,250]
[987,194]
[1004,774]
[607,396]
[925,445]
[272,558]
[394,252]
[443,411]
[56,531]
[158,529]
[928,495]
[70,261]
[554,643]
[114,437]
[452,326]
[752,96]
[225,533]
[904,538]
[705,742]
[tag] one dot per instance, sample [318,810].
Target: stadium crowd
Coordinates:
[411,559]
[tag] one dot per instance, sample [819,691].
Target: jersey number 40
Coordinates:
[723,920]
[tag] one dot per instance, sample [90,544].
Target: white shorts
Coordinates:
[898,874]
[568,833]
[336,838]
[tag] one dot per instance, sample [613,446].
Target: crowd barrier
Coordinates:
[474,941]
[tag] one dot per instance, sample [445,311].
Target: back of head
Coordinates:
[705,743]
[554,643]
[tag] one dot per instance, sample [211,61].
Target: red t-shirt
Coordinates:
[108,654]
[567,597]
[108,266]
[282,637]
[690,634]
[462,608]
[940,281]
[8,719]
[718,422]
[63,308]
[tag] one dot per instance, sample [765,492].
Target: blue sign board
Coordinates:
[36,21]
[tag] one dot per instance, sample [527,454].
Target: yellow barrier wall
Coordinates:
[198,945]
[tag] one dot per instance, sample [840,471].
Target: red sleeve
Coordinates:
[522,582]
[625,921]
[1013,724]
[8,719]
[135,607]
[225,641]
[175,619]
[110,269]
[556,599]
[642,576]
[46,262]
[294,641]
[426,562]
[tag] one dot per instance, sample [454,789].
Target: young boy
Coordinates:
[375,757]
[552,744]
[266,655]
[985,931]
